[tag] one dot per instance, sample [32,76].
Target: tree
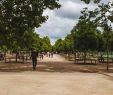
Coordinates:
[111,46]
[59,46]
[30,40]
[45,44]
[19,16]
[101,42]
[24,14]
[106,26]
[68,43]
[88,1]
[110,17]
[85,34]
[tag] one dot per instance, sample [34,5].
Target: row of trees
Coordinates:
[18,19]
[93,32]
[30,40]
[65,45]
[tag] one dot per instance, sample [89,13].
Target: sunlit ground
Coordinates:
[55,77]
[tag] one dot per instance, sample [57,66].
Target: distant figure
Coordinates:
[101,58]
[34,56]
[41,56]
[1,56]
[47,54]
[51,54]
[17,56]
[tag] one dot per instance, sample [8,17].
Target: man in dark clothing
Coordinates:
[34,56]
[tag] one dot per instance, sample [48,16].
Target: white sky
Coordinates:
[61,21]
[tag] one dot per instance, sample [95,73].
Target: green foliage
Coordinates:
[45,44]
[18,18]
[85,33]
[86,41]
[68,43]
[59,45]
[101,42]
[19,15]
[65,45]
[88,1]
[85,36]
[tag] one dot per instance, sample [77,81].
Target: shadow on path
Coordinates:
[54,67]
[55,64]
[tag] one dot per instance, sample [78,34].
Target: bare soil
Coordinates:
[56,64]
[55,76]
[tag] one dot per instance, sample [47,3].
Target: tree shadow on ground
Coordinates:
[55,67]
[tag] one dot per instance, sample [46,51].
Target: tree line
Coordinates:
[93,32]
[30,40]
[19,18]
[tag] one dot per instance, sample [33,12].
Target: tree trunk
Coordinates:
[85,54]
[75,56]
[16,57]
[107,61]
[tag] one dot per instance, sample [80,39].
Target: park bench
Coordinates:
[10,59]
[88,60]
[21,59]
[71,57]
[105,60]
[92,60]
[13,58]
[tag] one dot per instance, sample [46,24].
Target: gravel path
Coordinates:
[53,77]
[36,83]
[56,58]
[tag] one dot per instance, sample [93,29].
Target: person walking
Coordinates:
[42,55]
[34,55]
[51,54]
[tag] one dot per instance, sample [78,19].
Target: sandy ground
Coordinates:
[55,58]
[54,76]
[37,83]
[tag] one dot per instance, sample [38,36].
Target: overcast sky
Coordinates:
[61,21]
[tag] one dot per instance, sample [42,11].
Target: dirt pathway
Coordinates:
[36,83]
[54,76]
[56,58]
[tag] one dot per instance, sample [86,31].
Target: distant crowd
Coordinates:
[48,54]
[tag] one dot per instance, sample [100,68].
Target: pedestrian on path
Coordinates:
[34,55]
[49,54]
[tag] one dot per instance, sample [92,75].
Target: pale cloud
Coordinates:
[71,9]
[61,21]
[56,27]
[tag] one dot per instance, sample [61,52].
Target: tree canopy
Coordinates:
[86,34]
[18,18]
[93,32]
[88,1]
